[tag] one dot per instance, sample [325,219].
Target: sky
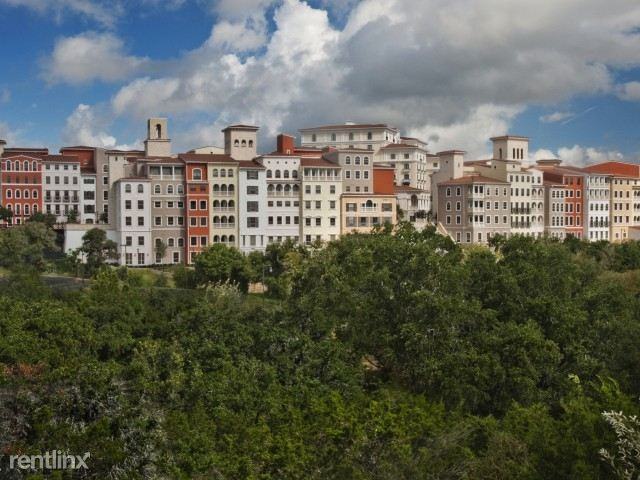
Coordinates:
[453,72]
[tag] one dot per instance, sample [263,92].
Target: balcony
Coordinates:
[321,178]
[368,209]
[522,211]
[224,209]
[224,225]
[223,194]
[283,194]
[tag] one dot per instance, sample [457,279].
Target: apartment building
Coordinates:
[62,187]
[597,206]
[370,137]
[284,197]
[624,182]
[357,169]
[168,209]
[574,181]
[196,204]
[252,206]
[554,209]
[132,220]
[474,208]
[21,182]
[321,191]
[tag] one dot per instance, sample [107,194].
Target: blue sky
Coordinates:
[453,72]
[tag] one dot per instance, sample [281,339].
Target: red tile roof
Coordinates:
[206,158]
[399,145]
[408,189]
[61,159]
[317,162]
[250,164]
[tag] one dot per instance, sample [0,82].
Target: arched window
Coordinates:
[347,160]
[216,188]
[26,166]
[231,189]
[127,188]
[197,174]
[169,189]
[286,174]
[236,143]
[18,194]
[159,131]
[223,189]
[296,189]
[230,173]
[157,190]
[269,174]
[180,189]
[214,172]
[232,204]
[27,209]
[8,165]
[357,162]
[278,174]
[216,239]
[216,219]
[34,166]
[279,188]
[224,239]
[294,174]
[9,193]
[26,194]
[250,143]
[223,220]
[232,219]
[223,173]
[271,189]
[216,203]
[232,238]
[35,208]
[140,188]
[244,143]
[287,189]
[18,210]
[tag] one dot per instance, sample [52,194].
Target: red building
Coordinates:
[197,205]
[21,182]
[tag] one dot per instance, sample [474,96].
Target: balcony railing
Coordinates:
[368,209]
[224,225]
[524,211]
[224,209]
[223,194]
[283,194]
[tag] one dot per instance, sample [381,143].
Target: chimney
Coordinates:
[286,144]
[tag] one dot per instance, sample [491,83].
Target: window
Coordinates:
[252,222]
[140,204]
[141,221]
[252,206]
[252,175]
[197,173]
[127,204]
[252,190]
[140,241]
[127,188]
[127,221]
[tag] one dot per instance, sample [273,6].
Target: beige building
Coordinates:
[622,206]
[357,169]
[362,212]
[223,183]
[474,208]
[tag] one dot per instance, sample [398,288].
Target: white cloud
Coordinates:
[556,117]
[8,134]
[579,155]
[102,12]
[91,56]
[630,91]
[5,95]
[457,72]
[85,126]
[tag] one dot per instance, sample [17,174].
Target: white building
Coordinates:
[350,135]
[283,197]
[321,190]
[597,192]
[133,221]
[252,207]
[88,198]
[61,186]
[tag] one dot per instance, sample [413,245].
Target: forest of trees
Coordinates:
[395,355]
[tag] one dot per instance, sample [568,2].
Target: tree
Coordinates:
[219,264]
[72,216]
[625,461]
[98,249]
[48,219]
[24,246]
[160,249]
[5,214]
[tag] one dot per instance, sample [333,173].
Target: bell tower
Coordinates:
[157,143]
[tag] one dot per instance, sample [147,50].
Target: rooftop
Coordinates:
[206,158]
[240,126]
[317,162]
[349,126]
[509,137]
[472,179]
[61,159]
